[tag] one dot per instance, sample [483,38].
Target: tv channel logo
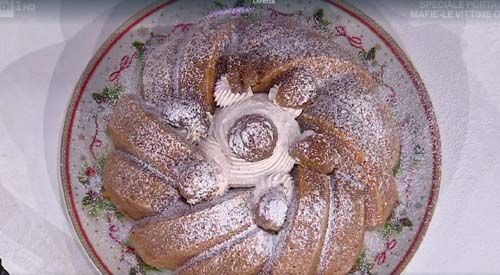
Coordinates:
[6,8]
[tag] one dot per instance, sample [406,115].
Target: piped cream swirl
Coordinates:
[223,95]
[239,172]
[285,180]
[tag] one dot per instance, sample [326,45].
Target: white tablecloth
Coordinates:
[45,47]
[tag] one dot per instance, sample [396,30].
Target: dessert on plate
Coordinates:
[255,145]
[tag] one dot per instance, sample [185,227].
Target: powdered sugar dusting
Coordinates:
[188,116]
[253,137]
[198,183]
[344,237]
[272,96]
[136,191]
[343,107]
[272,208]
[137,132]
[318,152]
[312,79]
[190,234]
[243,254]
[302,246]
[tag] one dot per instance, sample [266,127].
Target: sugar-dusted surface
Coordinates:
[186,115]
[380,199]
[273,91]
[253,137]
[317,152]
[139,133]
[343,109]
[284,181]
[198,182]
[199,57]
[301,58]
[272,208]
[136,192]
[160,88]
[298,90]
[159,76]
[314,76]
[245,253]
[168,243]
[344,237]
[185,69]
[301,247]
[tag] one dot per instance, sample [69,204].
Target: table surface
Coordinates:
[46,45]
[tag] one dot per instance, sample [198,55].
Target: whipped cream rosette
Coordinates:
[232,169]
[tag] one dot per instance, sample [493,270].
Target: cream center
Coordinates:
[234,171]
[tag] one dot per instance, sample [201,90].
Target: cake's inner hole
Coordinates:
[253,137]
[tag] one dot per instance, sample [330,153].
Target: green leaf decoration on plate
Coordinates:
[369,55]
[143,268]
[392,227]
[127,243]
[86,172]
[319,18]
[97,206]
[108,95]
[362,264]
[138,45]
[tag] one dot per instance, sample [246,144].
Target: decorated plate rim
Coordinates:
[107,45]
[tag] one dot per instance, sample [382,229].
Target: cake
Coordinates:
[254,145]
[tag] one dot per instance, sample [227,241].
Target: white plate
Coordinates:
[103,232]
